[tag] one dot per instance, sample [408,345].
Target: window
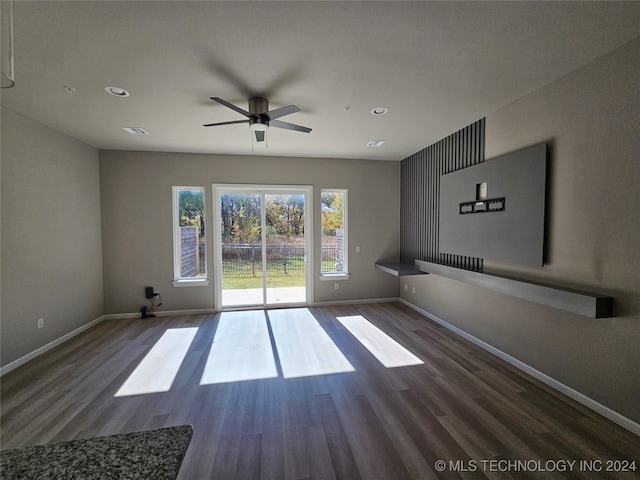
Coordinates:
[189,245]
[334,232]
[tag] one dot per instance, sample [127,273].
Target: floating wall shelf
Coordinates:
[399,269]
[588,304]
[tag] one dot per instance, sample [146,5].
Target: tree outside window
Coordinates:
[334,231]
[189,233]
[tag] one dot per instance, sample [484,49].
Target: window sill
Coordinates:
[332,277]
[195,282]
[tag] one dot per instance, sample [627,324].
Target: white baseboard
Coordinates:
[117,316]
[161,313]
[121,316]
[45,348]
[195,311]
[588,402]
[355,302]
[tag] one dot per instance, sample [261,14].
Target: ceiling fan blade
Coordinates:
[279,112]
[289,126]
[225,123]
[259,136]
[231,106]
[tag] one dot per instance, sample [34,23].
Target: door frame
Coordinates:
[261,189]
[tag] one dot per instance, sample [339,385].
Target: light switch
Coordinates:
[357,248]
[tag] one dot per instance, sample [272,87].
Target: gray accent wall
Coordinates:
[512,235]
[137,220]
[590,120]
[51,247]
[420,195]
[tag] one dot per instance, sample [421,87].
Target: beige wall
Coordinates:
[137,220]
[51,238]
[591,119]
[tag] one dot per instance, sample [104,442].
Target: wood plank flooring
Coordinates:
[464,406]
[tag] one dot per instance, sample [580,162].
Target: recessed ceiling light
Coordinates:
[379,111]
[135,130]
[116,91]
[347,109]
[375,143]
[69,89]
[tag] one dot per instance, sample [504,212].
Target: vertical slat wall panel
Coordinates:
[420,195]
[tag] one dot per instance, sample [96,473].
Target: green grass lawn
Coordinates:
[295,279]
[229,283]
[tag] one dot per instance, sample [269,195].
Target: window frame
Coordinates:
[344,275]
[178,280]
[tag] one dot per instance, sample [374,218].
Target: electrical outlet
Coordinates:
[336,286]
[357,248]
[40,322]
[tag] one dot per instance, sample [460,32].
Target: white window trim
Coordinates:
[337,277]
[194,282]
[345,275]
[178,280]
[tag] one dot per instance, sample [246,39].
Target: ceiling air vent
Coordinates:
[135,130]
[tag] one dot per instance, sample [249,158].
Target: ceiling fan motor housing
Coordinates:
[258,105]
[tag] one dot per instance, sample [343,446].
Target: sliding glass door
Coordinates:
[262,245]
[241,248]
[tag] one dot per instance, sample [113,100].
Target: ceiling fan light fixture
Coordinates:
[259,127]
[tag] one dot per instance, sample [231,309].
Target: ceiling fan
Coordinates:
[259,117]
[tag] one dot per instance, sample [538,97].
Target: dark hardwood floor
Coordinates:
[482,417]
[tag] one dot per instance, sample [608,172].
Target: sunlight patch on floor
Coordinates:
[246,343]
[304,348]
[158,369]
[241,349]
[389,352]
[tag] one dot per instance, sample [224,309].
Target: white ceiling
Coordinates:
[437,67]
